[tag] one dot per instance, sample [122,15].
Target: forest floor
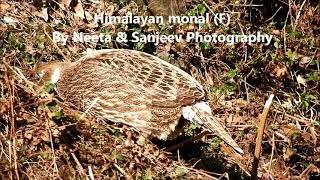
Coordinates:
[41,138]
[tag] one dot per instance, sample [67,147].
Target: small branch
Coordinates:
[274,14]
[52,148]
[298,15]
[90,173]
[262,124]
[207,6]
[247,5]
[202,172]
[12,142]
[272,151]
[55,45]
[122,171]
[308,170]
[79,166]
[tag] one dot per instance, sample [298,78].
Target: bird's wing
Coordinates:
[101,92]
[130,87]
[166,84]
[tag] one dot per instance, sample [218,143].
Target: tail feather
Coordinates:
[201,113]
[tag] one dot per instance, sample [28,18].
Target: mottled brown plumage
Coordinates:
[133,88]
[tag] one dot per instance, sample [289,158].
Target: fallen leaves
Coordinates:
[288,154]
[301,80]
[79,10]
[64,4]
[42,14]
[278,70]
[10,20]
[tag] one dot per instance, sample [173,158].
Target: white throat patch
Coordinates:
[55,76]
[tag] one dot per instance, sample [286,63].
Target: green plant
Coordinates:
[180,171]
[117,156]
[54,107]
[49,87]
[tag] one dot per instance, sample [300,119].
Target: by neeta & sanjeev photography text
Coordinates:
[121,37]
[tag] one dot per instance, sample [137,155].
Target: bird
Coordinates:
[134,88]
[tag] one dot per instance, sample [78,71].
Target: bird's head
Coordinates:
[50,71]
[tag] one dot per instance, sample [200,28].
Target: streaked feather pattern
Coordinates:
[136,89]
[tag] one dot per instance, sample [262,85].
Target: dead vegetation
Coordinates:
[41,138]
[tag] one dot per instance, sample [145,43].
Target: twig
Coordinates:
[52,148]
[79,166]
[178,153]
[242,125]
[12,142]
[55,45]
[122,171]
[307,171]
[3,153]
[207,6]
[18,72]
[297,119]
[13,133]
[261,127]
[200,172]
[272,152]
[298,15]
[10,160]
[90,173]
[274,14]
[6,80]
[284,28]
[224,175]
[247,5]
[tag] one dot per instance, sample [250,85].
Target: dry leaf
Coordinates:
[45,136]
[301,80]
[64,4]
[208,79]
[288,154]
[110,10]
[276,32]
[10,20]
[164,55]
[55,133]
[141,141]
[304,60]
[290,129]
[314,135]
[310,12]
[88,16]
[43,14]
[28,135]
[277,69]
[79,10]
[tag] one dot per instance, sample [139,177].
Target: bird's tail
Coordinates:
[201,113]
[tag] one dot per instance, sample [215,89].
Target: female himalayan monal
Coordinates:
[133,88]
